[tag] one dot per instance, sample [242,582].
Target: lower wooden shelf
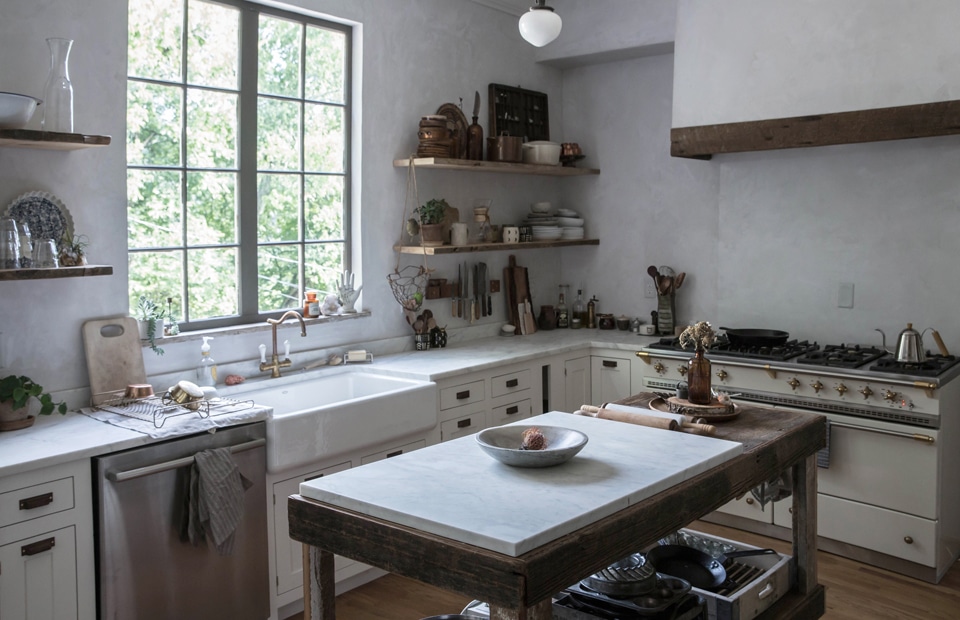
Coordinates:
[60,272]
[50,140]
[490,247]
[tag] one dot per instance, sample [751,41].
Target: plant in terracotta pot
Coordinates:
[150,314]
[431,221]
[15,394]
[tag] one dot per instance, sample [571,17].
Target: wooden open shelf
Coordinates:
[60,272]
[924,120]
[494,166]
[490,247]
[50,140]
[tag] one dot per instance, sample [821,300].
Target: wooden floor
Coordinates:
[855,591]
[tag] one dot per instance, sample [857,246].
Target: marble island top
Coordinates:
[455,490]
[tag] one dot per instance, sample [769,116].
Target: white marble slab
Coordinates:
[455,490]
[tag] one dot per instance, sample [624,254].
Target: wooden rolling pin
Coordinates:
[636,418]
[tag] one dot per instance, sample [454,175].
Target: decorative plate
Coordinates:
[459,126]
[43,212]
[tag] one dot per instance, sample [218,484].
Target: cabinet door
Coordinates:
[39,577]
[511,412]
[289,555]
[610,379]
[576,390]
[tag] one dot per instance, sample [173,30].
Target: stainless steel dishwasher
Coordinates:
[144,569]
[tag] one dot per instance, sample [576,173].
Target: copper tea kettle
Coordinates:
[910,345]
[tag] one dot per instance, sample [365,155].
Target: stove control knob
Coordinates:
[841,389]
[722,374]
[659,368]
[682,369]
[817,386]
[889,395]
[793,383]
[866,391]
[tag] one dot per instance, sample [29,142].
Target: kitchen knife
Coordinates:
[483,289]
[459,293]
[489,298]
[476,294]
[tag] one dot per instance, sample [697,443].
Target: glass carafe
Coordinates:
[58,91]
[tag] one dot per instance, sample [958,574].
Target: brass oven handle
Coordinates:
[915,436]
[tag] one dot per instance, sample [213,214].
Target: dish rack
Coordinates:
[152,408]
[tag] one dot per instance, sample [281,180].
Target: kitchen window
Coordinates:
[238,151]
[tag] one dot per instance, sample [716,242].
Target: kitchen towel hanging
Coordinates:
[214,499]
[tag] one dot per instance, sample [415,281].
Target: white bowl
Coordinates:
[570,222]
[541,152]
[503,444]
[540,207]
[16,110]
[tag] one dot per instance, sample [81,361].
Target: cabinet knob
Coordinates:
[749,501]
[908,540]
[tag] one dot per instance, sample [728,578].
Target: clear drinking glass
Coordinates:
[9,249]
[45,254]
[58,90]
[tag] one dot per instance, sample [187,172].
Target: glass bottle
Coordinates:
[698,379]
[58,91]
[579,310]
[563,318]
[592,312]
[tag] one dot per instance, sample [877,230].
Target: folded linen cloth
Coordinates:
[214,499]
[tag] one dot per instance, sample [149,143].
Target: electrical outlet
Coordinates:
[845,295]
[650,290]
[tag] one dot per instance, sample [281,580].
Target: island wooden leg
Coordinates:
[541,611]
[805,523]
[319,589]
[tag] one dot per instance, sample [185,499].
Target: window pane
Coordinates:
[323,266]
[324,138]
[155,275]
[154,32]
[279,277]
[278,134]
[153,205]
[323,207]
[213,279]
[278,213]
[153,124]
[211,129]
[279,63]
[211,208]
[213,47]
[325,65]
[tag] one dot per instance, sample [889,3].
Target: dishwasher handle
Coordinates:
[120,476]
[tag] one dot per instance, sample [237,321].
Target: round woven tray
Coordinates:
[714,412]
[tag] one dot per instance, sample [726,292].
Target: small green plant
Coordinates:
[433,211]
[150,312]
[19,390]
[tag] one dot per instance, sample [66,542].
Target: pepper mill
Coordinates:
[475,133]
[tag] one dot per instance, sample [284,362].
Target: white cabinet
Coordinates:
[393,451]
[749,508]
[576,384]
[46,544]
[464,425]
[473,402]
[609,378]
[510,412]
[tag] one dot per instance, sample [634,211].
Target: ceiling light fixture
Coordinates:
[540,25]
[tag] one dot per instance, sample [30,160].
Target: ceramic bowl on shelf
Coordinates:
[16,110]
[503,443]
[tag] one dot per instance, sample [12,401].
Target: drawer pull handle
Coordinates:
[513,383]
[38,547]
[609,364]
[463,423]
[37,501]
[463,394]
[908,540]
[767,591]
[313,477]
[513,410]
[393,454]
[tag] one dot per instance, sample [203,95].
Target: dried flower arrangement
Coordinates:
[701,335]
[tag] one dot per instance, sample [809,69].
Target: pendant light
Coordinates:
[540,25]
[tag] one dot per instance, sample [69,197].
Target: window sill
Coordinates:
[252,328]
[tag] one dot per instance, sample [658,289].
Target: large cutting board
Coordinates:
[114,356]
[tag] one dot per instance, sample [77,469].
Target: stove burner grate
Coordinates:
[842,356]
[933,366]
[786,351]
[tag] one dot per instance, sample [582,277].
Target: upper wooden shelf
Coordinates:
[924,120]
[60,272]
[490,247]
[494,166]
[50,140]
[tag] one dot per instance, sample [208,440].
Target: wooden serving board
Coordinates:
[714,412]
[114,356]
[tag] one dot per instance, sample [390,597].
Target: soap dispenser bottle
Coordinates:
[207,369]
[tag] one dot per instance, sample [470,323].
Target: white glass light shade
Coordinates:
[539,26]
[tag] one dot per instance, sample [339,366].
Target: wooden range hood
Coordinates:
[923,120]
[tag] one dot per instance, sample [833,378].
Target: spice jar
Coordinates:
[311,306]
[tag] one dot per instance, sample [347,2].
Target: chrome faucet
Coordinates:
[275,362]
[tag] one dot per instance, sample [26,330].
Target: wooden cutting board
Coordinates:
[114,356]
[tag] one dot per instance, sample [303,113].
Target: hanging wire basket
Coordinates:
[408,285]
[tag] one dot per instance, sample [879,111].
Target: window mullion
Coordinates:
[248,177]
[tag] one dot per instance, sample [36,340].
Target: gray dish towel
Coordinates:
[823,455]
[215,499]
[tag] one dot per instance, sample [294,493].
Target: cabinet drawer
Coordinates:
[894,533]
[463,426]
[392,452]
[463,394]
[506,414]
[509,383]
[36,501]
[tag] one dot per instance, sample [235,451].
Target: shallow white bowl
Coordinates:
[503,444]
[540,207]
[16,110]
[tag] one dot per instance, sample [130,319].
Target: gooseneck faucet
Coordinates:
[276,363]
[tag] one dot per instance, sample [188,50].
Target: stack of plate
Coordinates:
[547,233]
[571,224]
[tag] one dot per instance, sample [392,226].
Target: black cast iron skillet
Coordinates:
[756,337]
[701,569]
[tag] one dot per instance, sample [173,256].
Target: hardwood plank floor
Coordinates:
[855,591]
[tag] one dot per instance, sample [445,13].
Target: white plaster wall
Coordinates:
[740,60]
[417,55]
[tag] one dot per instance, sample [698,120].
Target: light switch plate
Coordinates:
[650,290]
[845,295]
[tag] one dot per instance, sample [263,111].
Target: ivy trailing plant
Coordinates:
[150,312]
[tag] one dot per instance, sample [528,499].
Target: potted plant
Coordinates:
[431,221]
[73,250]
[15,394]
[148,313]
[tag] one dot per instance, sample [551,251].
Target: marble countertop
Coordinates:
[512,510]
[58,439]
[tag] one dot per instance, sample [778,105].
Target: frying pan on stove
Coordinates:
[756,337]
[701,569]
